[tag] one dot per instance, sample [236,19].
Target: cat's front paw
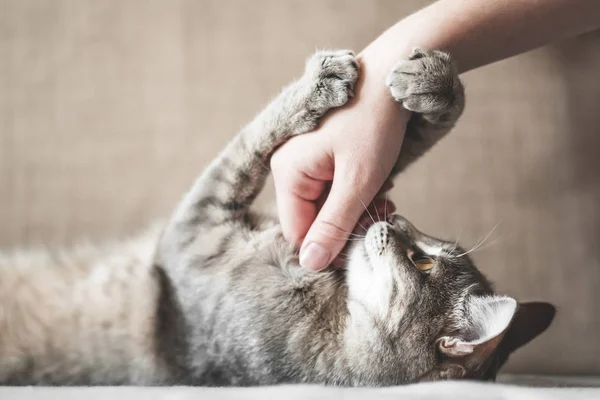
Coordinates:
[331,76]
[426,83]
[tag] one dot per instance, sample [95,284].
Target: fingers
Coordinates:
[335,221]
[297,206]
[299,199]
[315,214]
[300,182]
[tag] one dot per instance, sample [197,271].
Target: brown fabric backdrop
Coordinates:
[109,109]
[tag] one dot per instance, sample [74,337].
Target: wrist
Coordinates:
[373,92]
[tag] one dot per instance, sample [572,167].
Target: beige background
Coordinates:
[108,110]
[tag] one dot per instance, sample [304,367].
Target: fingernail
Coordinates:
[314,256]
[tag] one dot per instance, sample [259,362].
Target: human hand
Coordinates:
[357,146]
[325,179]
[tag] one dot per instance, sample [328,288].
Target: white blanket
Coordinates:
[510,388]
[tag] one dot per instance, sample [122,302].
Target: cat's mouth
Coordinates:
[380,211]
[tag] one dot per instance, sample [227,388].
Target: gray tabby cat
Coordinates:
[216,297]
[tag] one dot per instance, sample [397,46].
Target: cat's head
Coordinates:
[432,303]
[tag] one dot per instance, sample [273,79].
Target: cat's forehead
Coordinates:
[427,244]
[430,247]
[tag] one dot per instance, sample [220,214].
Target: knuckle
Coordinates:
[307,188]
[361,180]
[334,228]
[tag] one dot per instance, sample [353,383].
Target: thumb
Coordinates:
[337,218]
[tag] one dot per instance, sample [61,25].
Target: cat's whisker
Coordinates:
[469,251]
[481,241]
[385,215]
[456,242]
[352,233]
[350,239]
[361,225]
[357,235]
[366,209]
[488,244]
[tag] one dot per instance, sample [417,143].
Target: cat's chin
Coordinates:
[359,272]
[359,266]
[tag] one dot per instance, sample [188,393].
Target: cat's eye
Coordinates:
[424,264]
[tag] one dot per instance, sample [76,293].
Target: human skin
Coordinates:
[323,179]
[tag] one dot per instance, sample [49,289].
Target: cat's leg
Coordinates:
[228,186]
[427,84]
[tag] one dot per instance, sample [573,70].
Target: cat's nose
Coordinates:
[405,229]
[402,224]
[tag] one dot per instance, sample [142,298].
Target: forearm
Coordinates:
[479,32]
[474,32]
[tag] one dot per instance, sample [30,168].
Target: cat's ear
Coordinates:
[529,322]
[482,326]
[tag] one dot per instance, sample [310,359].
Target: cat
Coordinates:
[216,295]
